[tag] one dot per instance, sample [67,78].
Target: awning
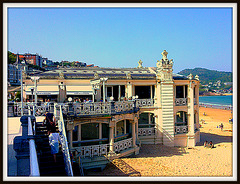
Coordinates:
[43,90]
[79,90]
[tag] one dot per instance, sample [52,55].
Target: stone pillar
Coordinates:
[191,137]
[125,126]
[134,134]
[100,130]
[129,89]
[79,132]
[70,138]
[111,137]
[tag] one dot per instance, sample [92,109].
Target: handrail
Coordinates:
[67,159]
[34,167]
[92,140]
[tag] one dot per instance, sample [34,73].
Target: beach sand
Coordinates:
[160,160]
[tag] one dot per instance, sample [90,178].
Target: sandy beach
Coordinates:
[160,160]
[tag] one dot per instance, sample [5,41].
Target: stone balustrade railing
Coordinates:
[144,102]
[181,129]
[181,101]
[123,145]
[146,131]
[91,151]
[78,109]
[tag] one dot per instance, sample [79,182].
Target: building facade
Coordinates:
[151,106]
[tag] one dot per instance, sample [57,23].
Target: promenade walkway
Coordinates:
[14,129]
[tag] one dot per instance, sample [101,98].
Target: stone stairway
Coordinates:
[47,166]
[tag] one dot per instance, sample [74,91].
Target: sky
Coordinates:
[120,37]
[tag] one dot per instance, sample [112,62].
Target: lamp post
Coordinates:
[21,94]
[35,80]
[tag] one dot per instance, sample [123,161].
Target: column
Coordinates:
[104,92]
[111,137]
[191,138]
[79,132]
[70,138]
[125,127]
[129,90]
[134,134]
[119,92]
[100,130]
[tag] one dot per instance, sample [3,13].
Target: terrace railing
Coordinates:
[123,145]
[144,102]
[78,109]
[181,129]
[63,137]
[91,151]
[146,129]
[181,101]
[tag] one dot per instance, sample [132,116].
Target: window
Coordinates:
[143,92]
[181,91]
[181,118]
[120,128]
[90,131]
[75,133]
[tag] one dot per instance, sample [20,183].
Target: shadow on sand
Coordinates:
[216,139]
[118,168]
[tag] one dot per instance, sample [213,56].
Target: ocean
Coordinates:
[216,100]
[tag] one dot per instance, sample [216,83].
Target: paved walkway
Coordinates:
[14,129]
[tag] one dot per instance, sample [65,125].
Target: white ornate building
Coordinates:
[130,107]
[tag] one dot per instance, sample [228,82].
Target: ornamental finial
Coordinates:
[164,54]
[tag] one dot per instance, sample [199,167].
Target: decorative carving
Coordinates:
[140,64]
[129,75]
[164,54]
[96,76]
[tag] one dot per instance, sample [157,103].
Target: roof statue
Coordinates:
[196,77]
[140,64]
[190,76]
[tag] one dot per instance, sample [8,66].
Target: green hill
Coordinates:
[206,76]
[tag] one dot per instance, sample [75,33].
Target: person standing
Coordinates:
[54,140]
[50,122]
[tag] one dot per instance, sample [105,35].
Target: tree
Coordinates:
[11,58]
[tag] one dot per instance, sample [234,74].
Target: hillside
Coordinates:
[207,76]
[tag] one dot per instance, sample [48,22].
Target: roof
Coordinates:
[111,73]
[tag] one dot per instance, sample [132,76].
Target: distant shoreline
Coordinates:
[224,94]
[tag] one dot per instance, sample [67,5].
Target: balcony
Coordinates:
[181,101]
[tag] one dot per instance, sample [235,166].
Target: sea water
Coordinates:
[216,100]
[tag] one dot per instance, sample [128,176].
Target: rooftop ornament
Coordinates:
[140,64]
[197,77]
[190,76]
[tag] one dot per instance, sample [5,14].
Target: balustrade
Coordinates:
[181,129]
[144,102]
[181,101]
[123,145]
[79,109]
[146,131]
[91,151]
